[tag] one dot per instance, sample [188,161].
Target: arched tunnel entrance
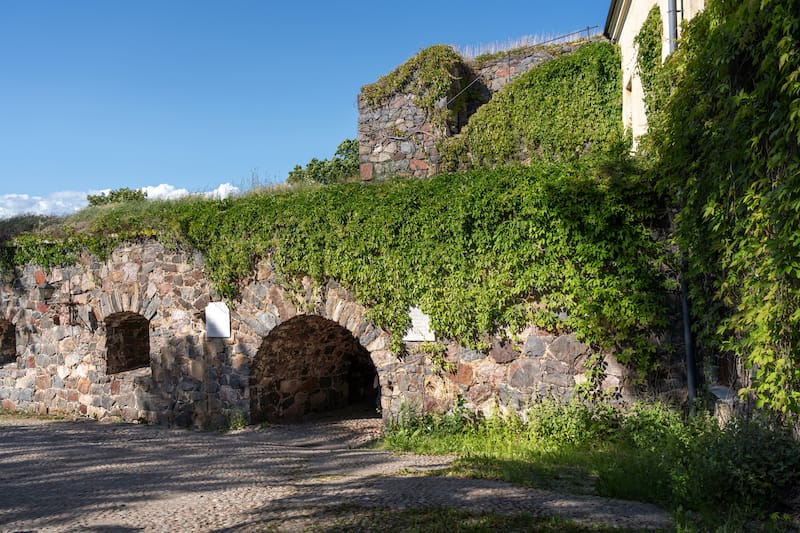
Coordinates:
[307,365]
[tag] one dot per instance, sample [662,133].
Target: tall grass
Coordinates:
[706,475]
[526,41]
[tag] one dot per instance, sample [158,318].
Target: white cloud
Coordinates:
[68,202]
[222,192]
[57,203]
[164,191]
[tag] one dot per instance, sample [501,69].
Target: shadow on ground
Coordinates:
[70,476]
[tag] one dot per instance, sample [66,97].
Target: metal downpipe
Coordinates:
[672,28]
[691,380]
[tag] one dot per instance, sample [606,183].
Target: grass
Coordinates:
[742,476]
[5,413]
[433,520]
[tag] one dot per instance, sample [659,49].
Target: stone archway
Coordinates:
[309,364]
[127,342]
[8,342]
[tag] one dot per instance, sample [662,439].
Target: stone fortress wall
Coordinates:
[131,338]
[126,339]
[398,138]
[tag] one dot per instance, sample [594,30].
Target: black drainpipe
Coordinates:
[691,382]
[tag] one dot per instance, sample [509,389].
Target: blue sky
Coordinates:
[186,95]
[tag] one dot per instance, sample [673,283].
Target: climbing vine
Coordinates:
[729,156]
[562,109]
[648,56]
[564,246]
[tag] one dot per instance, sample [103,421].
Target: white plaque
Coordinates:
[218,320]
[420,330]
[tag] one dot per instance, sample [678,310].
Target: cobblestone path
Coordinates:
[91,477]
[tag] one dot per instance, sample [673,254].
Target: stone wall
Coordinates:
[399,138]
[61,341]
[396,138]
[291,351]
[507,378]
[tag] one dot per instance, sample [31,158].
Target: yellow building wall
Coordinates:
[623,27]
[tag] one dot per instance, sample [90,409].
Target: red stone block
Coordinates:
[42,382]
[463,375]
[365,171]
[8,405]
[418,164]
[84,386]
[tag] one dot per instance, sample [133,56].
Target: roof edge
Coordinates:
[617,12]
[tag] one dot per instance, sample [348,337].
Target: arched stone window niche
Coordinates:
[8,342]
[127,342]
[310,364]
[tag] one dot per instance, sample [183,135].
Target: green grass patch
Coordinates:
[705,475]
[5,413]
[444,520]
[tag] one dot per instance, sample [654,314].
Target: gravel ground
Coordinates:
[88,476]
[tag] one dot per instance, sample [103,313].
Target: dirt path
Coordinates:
[87,476]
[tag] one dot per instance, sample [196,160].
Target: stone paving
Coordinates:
[89,476]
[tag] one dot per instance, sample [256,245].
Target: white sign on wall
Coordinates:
[420,330]
[218,320]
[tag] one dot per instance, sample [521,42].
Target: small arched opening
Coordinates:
[8,342]
[309,365]
[127,342]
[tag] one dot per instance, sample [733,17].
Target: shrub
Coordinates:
[747,462]
[117,196]
[342,167]
[573,423]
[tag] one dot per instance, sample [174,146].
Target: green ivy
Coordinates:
[564,246]
[560,110]
[648,56]
[49,252]
[729,155]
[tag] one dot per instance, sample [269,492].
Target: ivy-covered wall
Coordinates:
[727,150]
[563,109]
[516,265]
[405,115]
[291,351]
